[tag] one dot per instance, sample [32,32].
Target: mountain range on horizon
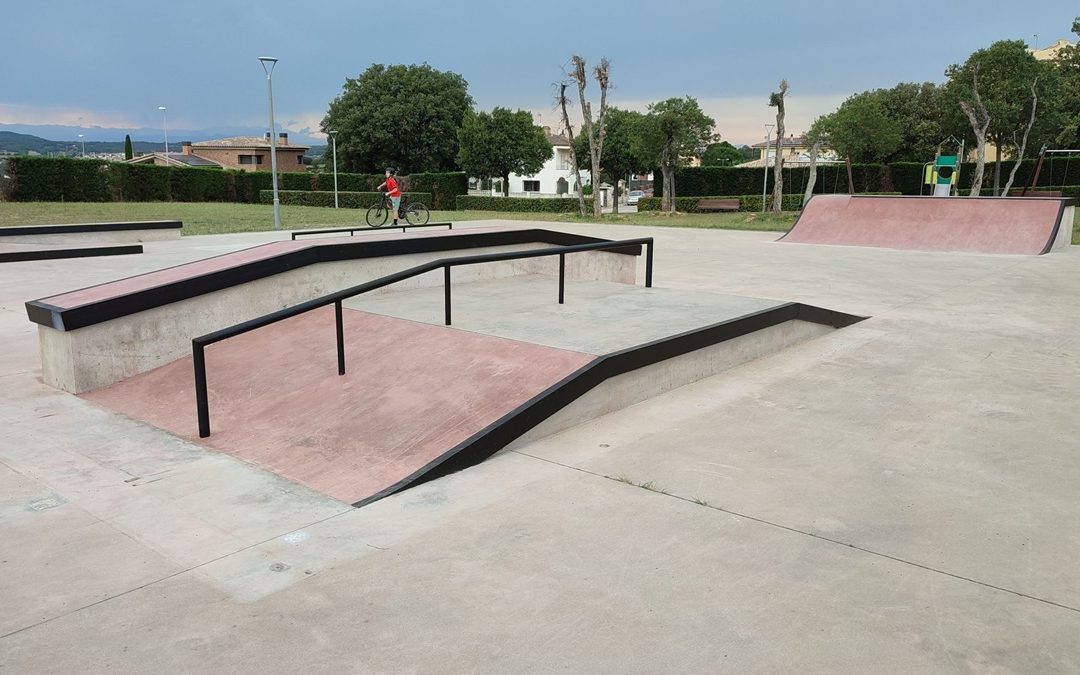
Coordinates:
[24,143]
[70,134]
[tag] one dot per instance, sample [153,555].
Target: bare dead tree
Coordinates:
[815,150]
[1022,145]
[562,102]
[980,122]
[776,99]
[594,133]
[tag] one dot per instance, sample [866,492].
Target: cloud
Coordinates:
[14,113]
[305,123]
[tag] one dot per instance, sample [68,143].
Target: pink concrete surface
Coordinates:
[411,392]
[1010,225]
[197,268]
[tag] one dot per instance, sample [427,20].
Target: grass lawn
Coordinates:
[217,218]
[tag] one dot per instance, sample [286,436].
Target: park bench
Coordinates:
[718,205]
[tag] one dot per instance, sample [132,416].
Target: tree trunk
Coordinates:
[980,122]
[560,98]
[595,135]
[506,185]
[615,202]
[999,141]
[778,166]
[668,202]
[812,178]
[1022,146]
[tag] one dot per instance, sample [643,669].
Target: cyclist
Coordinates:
[393,191]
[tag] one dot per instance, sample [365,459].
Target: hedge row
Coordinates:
[347,200]
[92,180]
[538,205]
[903,177]
[746,203]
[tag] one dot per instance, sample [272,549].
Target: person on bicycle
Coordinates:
[393,191]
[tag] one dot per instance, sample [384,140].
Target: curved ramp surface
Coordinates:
[1016,225]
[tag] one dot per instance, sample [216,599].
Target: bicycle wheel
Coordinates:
[376,215]
[417,214]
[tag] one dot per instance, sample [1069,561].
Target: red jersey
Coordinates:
[392,188]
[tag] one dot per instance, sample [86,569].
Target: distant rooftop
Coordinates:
[244,142]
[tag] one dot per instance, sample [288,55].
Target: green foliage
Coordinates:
[674,131]
[1067,66]
[401,116]
[128,152]
[1006,71]
[622,146]
[346,200]
[526,204]
[502,143]
[861,129]
[722,154]
[444,188]
[57,179]
[746,203]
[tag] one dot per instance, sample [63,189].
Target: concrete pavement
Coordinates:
[895,496]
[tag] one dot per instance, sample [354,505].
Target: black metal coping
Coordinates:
[528,415]
[367,228]
[60,253]
[72,318]
[23,230]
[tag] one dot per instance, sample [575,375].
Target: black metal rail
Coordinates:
[199,344]
[351,230]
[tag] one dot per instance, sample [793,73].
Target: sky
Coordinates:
[103,68]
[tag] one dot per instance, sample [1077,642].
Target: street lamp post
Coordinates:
[83,142]
[765,181]
[165,125]
[268,63]
[333,140]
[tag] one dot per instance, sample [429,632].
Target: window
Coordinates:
[531,186]
[562,160]
[299,159]
[250,159]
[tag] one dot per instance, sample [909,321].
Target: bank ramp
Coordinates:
[1012,225]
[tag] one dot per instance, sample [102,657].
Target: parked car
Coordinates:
[634,196]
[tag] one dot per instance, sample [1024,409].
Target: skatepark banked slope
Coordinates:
[1012,225]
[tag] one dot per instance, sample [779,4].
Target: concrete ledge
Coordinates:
[119,232]
[131,340]
[29,252]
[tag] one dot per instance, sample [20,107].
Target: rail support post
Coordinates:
[340,339]
[446,293]
[648,264]
[202,403]
[562,277]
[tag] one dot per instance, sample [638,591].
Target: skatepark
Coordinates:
[842,454]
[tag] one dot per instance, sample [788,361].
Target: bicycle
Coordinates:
[414,213]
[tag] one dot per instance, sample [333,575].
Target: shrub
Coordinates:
[348,200]
[57,179]
[746,203]
[524,204]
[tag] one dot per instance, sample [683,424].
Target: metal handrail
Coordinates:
[350,230]
[199,344]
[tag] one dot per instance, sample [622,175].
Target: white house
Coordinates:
[555,179]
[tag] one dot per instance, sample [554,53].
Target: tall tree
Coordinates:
[998,80]
[1021,144]
[562,101]
[776,100]
[1067,67]
[595,133]
[722,154]
[500,143]
[128,152]
[401,116]
[621,149]
[672,132]
[860,129]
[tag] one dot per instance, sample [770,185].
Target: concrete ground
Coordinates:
[895,496]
